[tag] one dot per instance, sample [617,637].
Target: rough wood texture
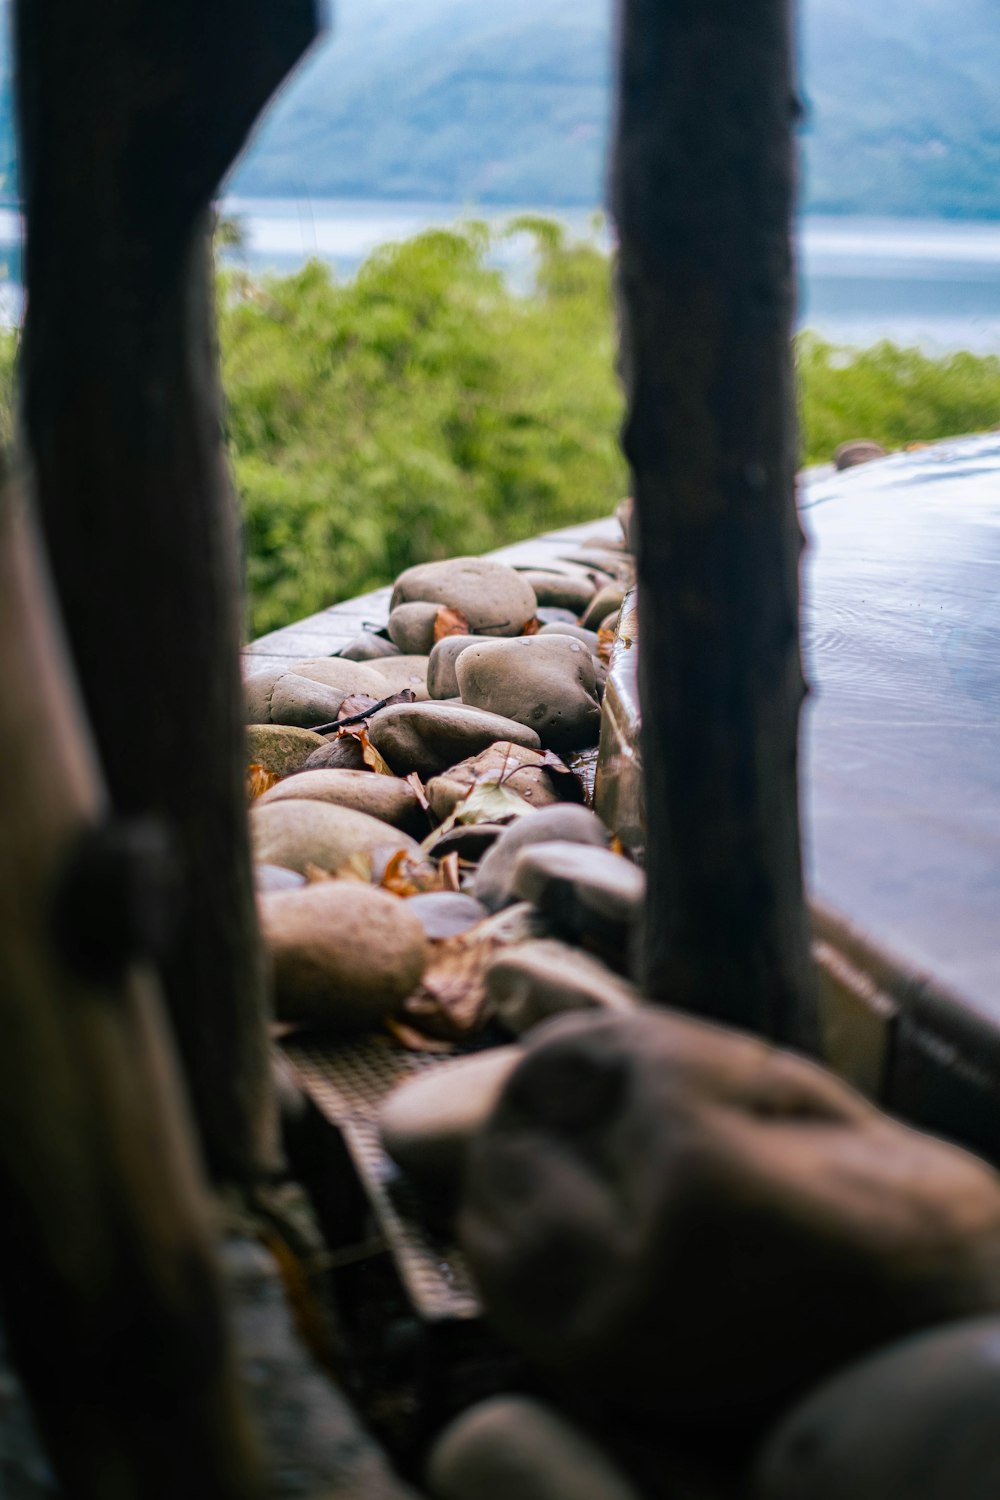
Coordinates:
[130,114]
[703,193]
[109,1289]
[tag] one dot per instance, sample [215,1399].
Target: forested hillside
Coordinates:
[508,103]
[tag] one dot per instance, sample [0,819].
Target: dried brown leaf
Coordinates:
[448,869]
[372,758]
[357,703]
[259,780]
[414,781]
[450,622]
[533,626]
[605,641]
[450,1002]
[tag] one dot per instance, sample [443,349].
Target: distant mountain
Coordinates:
[508,102]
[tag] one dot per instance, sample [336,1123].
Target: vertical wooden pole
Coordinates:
[108,1285]
[703,196]
[131,112]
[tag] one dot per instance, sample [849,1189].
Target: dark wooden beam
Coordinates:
[703,192]
[131,112]
[109,1289]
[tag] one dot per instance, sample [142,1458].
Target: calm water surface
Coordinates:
[928,282]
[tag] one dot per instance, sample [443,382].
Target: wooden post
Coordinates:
[703,195]
[108,1284]
[131,112]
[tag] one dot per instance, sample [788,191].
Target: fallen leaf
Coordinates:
[404,878]
[565,783]
[489,801]
[448,869]
[450,622]
[372,758]
[357,703]
[259,780]
[533,627]
[414,780]
[605,641]
[450,1003]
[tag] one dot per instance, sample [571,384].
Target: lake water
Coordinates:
[928,282]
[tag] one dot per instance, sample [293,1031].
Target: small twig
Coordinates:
[406,696]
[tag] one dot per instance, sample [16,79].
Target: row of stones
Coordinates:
[665,1219]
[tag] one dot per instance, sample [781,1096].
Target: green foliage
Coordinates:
[892,395]
[421,410]
[426,409]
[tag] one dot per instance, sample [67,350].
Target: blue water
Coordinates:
[933,283]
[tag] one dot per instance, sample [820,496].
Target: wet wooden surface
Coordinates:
[902,735]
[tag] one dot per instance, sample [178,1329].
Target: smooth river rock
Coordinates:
[337,752]
[514,1448]
[388,798]
[514,766]
[917,1421]
[280,748]
[494,884]
[401,673]
[430,737]
[493,598]
[686,1220]
[268,879]
[596,899]
[411,627]
[441,679]
[606,601]
[426,1124]
[545,681]
[344,955]
[297,832]
[445,914]
[532,982]
[572,591]
[308,692]
[368,646]
[588,637]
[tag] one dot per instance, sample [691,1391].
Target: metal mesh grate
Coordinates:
[348,1083]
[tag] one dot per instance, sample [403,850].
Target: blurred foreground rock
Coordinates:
[684,1220]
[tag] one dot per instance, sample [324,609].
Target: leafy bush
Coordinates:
[420,410]
[425,408]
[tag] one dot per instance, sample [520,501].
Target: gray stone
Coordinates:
[493,598]
[404,672]
[344,955]
[588,637]
[280,748]
[550,615]
[445,914]
[441,679]
[494,883]
[411,627]
[606,601]
[388,798]
[430,737]
[562,591]
[857,451]
[368,646]
[469,841]
[917,1420]
[427,1122]
[544,681]
[532,982]
[596,899]
[513,1448]
[309,692]
[270,878]
[683,1219]
[337,752]
[521,770]
[297,833]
